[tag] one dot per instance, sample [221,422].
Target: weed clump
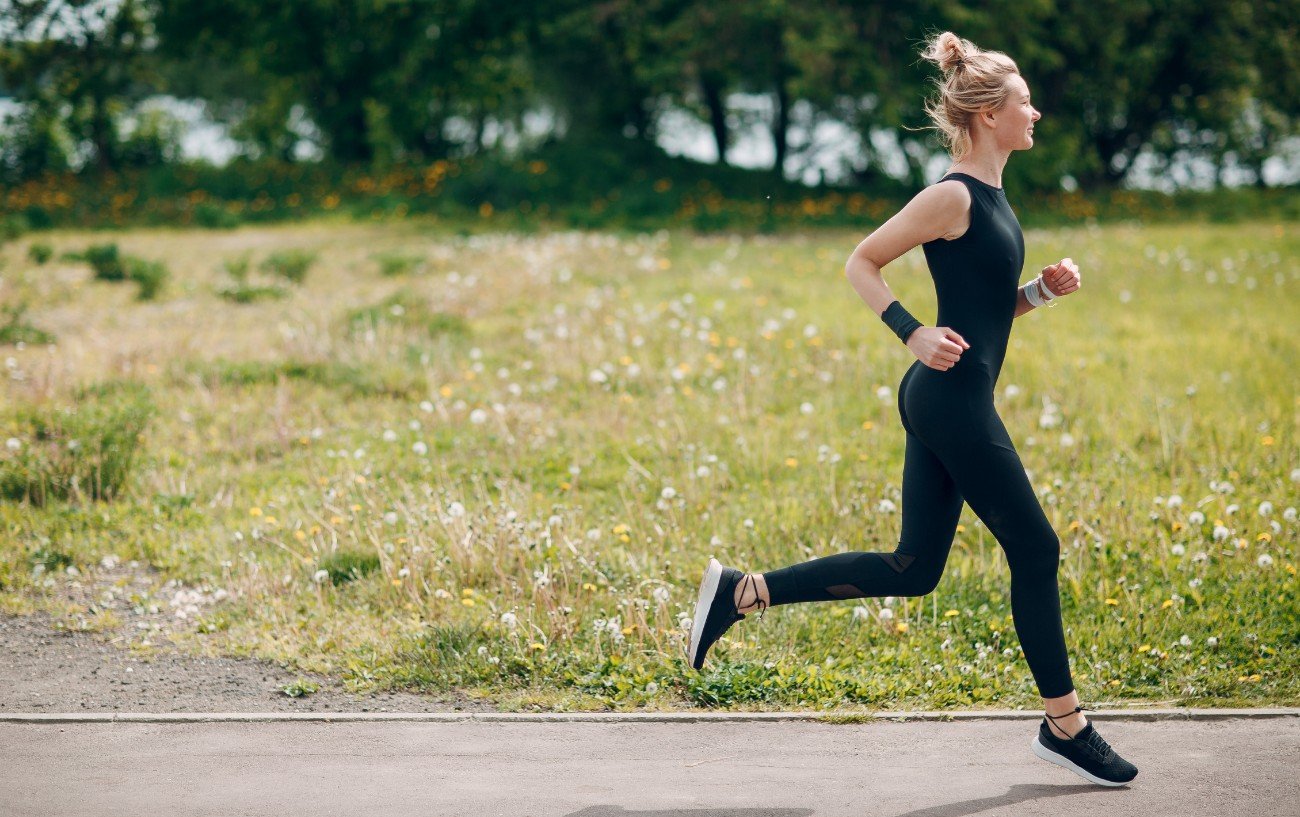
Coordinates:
[82,451]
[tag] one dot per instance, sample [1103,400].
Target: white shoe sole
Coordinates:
[1060,760]
[708,590]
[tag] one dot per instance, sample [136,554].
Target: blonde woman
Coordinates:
[957,448]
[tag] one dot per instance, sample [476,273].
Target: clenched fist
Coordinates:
[938,347]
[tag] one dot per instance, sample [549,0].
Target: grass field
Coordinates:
[499,463]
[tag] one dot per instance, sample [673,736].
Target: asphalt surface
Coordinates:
[1187,768]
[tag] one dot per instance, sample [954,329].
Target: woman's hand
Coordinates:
[1062,278]
[938,347]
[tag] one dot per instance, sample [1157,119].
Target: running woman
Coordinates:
[957,448]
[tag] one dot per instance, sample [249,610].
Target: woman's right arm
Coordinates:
[937,211]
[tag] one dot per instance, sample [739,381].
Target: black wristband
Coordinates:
[900,320]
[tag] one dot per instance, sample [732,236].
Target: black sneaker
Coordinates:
[1087,754]
[715,609]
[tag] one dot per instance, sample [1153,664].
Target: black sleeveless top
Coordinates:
[976,277]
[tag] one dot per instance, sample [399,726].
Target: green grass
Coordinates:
[483,473]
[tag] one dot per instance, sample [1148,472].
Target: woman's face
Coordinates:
[1013,123]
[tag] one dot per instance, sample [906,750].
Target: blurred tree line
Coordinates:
[372,82]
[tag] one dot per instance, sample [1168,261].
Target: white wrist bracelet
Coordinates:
[1032,294]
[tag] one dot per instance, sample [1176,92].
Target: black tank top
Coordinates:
[976,277]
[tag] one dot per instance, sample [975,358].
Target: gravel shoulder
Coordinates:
[44,669]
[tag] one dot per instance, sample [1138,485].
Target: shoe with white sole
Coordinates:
[715,609]
[1087,754]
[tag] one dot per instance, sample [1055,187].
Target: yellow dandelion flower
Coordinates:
[1112,602]
[336,520]
[299,535]
[536,645]
[359,479]
[588,586]
[1114,683]
[628,630]
[1255,677]
[467,602]
[961,528]
[1290,568]
[467,591]
[315,529]
[624,538]
[254,511]
[1264,537]
[1241,543]
[356,507]
[1267,439]
[271,520]
[625,360]
[1075,525]
[1144,648]
[900,627]
[951,613]
[564,486]
[1166,604]
[620,528]
[868,425]
[397,582]
[1243,677]
[445,391]
[791,462]
[1177,526]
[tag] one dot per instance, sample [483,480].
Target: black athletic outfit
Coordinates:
[958,449]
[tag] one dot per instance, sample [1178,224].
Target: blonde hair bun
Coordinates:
[973,81]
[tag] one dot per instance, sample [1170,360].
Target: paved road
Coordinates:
[592,769]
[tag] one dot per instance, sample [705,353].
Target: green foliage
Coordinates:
[300,687]
[84,450]
[104,259]
[395,264]
[16,330]
[49,558]
[150,275]
[346,565]
[404,308]
[40,253]
[291,265]
[242,293]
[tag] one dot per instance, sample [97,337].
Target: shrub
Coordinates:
[291,265]
[242,293]
[85,450]
[105,260]
[40,253]
[237,268]
[404,308]
[394,264]
[15,330]
[150,275]
[344,566]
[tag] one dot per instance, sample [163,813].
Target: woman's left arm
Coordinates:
[1059,279]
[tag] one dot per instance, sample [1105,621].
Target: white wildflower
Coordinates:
[1264,560]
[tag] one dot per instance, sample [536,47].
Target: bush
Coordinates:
[150,275]
[16,330]
[291,265]
[40,253]
[83,451]
[344,566]
[394,264]
[242,293]
[105,260]
[404,308]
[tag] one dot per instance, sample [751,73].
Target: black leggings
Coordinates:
[957,449]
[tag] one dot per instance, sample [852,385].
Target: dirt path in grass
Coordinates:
[44,669]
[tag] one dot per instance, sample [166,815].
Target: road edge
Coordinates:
[841,717]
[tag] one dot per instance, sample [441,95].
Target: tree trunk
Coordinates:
[711,87]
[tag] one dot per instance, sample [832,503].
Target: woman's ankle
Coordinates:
[751,593]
